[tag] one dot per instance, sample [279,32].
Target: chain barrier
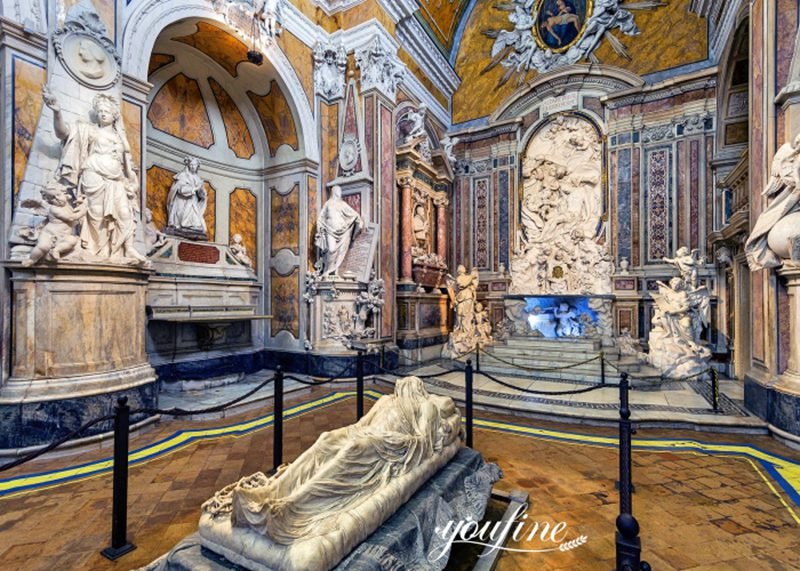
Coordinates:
[537,392]
[544,369]
[338,376]
[427,376]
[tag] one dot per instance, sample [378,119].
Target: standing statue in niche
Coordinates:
[775,238]
[337,225]
[96,163]
[186,203]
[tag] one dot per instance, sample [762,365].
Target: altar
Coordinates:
[559,316]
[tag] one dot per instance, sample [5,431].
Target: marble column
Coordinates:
[406,231]
[789,380]
[441,227]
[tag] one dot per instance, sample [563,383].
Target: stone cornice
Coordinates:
[705,79]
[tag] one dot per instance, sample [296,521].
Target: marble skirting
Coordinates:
[771,404]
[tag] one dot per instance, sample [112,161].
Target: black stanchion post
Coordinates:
[478,357]
[715,389]
[119,511]
[277,433]
[468,400]
[360,384]
[602,368]
[629,546]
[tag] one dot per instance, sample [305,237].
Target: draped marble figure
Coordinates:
[339,490]
[186,202]
[96,163]
[338,223]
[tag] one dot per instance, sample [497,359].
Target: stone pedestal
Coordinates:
[333,325]
[77,339]
[789,380]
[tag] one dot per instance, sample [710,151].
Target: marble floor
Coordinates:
[711,501]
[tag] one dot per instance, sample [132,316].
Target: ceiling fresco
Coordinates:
[442,18]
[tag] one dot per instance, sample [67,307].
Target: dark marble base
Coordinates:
[780,409]
[305,363]
[37,423]
[420,342]
[458,492]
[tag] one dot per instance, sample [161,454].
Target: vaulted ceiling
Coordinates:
[442,18]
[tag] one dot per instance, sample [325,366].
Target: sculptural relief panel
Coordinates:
[561,239]
[29,78]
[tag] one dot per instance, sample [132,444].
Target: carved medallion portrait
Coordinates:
[89,60]
[560,23]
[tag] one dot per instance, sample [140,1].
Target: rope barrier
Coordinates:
[535,392]
[54,444]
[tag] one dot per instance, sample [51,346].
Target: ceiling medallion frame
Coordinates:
[538,24]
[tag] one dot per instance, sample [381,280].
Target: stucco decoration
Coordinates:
[775,239]
[330,64]
[549,34]
[314,511]
[263,19]
[561,213]
[380,68]
[83,48]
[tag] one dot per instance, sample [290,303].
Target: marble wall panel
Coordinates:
[243,219]
[329,141]
[225,49]
[658,237]
[758,325]
[624,206]
[285,220]
[786,16]
[28,80]
[757,168]
[709,191]
[285,302]
[157,61]
[106,9]
[302,58]
[612,177]
[681,191]
[159,181]
[784,328]
[635,199]
[132,120]
[481,222]
[276,118]
[178,109]
[503,222]
[312,221]
[389,257]
[694,194]
[239,138]
[210,215]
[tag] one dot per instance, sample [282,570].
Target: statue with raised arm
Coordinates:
[775,238]
[337,225]
[96,163]
[688,264]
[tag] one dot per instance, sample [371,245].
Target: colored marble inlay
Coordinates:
[178,109]
[329,137]
[243,220]
[312,221]
[239,139]
[159,181]
[481,236]
[132,119]
[388,256]
[354,200]
[285,220]
[503,230]
[302,59]
[285,296]
[681,192]
[694,192]
[635,194]
[225,49]
[624,204]
[210,215]
[658,205]
[29,79]
[157,61]
[198,253]
[276,118]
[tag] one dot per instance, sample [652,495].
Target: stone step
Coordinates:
[563,343]
[546,354]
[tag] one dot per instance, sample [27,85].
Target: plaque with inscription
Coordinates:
[361,254]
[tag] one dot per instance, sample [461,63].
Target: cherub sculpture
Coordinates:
[57,237]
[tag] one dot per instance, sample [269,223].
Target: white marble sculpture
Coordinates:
[463,290]
[241,14]
[368,305]
[448,143]
[415,123]
[380,69]
[775,238]
[186,203]
[56,239]
[337,224]
[626,344]
[560,248]
[483,327]
[681,314]
[330,64]
[688,265]
[314,511]
[153,237]
[96,166]
[239,250]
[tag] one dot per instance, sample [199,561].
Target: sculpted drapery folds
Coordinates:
[96,163]
[337,224]
[186,202]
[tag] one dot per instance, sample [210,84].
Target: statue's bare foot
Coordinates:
[27,263]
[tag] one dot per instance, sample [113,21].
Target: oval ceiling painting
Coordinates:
[560,23]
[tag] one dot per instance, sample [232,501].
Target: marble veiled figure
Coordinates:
[96,164]
[312,512]
[337,224]
[186,203]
